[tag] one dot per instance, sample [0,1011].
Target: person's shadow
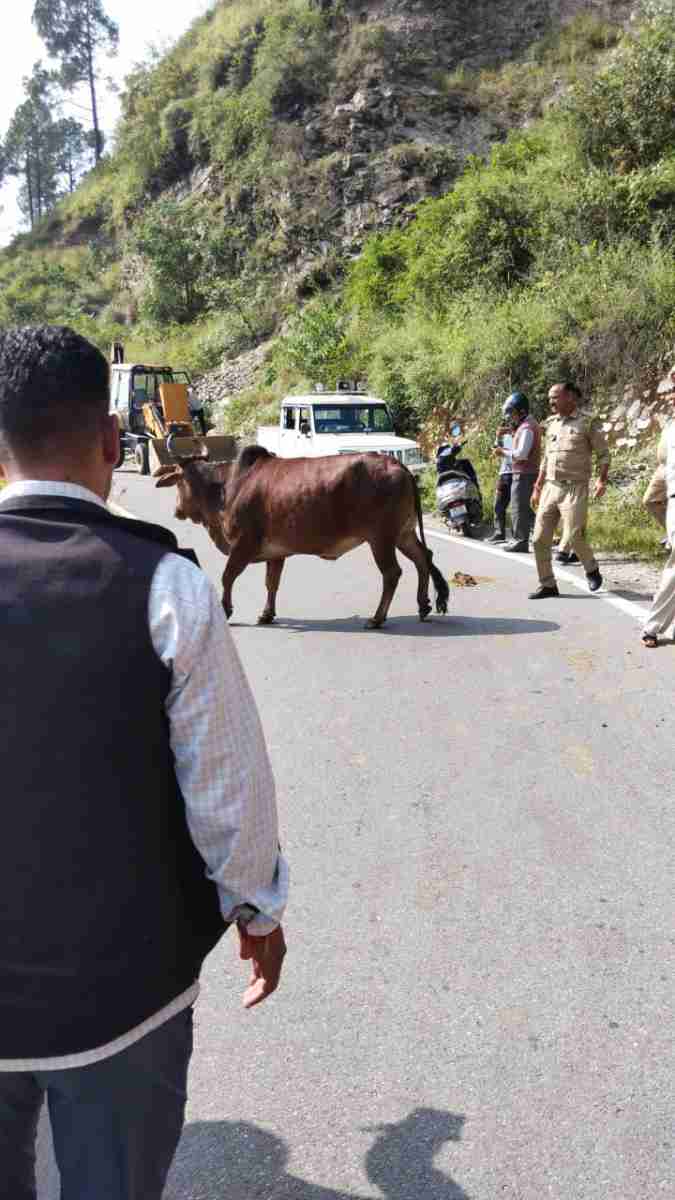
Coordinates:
[236,1160]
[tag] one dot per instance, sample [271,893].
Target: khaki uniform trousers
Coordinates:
[567,502]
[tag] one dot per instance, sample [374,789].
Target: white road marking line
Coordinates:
[635,611]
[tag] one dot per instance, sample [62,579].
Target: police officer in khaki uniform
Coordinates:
[561,490]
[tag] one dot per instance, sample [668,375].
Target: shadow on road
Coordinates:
[410,626]
[238,1160]
[645,597]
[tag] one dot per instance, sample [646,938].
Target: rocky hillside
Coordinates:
[377,108]
[446,199]
[294,129]
[276,160]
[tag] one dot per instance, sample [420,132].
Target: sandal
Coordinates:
[650,641]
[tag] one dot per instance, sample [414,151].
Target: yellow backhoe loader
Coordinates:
[151,403]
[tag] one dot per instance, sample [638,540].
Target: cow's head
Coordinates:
[199,487]
[187,505]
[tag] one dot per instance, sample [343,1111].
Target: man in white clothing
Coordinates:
[525,456]
[662,611]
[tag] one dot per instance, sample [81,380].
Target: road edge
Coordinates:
[628,607]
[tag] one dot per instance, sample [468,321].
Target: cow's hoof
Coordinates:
[425,611]
[373,624]
[441,607]
[266,618]
[228,611]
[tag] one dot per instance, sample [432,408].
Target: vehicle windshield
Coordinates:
[146,385]
[352,418]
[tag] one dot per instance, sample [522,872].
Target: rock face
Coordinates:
[216,387]
[395,128]
[632,422]
[393,125]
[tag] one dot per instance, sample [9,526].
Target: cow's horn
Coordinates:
[169,442]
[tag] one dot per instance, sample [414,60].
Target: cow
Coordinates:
[262,508]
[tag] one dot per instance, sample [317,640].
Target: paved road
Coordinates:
[478,811]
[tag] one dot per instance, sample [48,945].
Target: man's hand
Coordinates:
[267,956]
[536,496]
[600,489]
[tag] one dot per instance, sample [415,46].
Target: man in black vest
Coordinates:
[139,817]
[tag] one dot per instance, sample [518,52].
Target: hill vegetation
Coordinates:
[444,205]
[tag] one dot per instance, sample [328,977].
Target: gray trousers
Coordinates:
[502,501]
[522,516]
[115,1124]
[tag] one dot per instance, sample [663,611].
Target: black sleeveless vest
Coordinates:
[105,910]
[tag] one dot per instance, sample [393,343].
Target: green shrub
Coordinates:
[168,239]
[317,343]
[624,116]
[418,158]
[176,120]
[369,45]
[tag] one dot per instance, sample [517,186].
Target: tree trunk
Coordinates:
[92,89]
[38,184]
[29,191]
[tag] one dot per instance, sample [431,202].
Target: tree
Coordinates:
[75,32]
[168,238]
[72,146]
[30,148]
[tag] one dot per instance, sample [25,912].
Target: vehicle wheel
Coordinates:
[142,460]
[467,530]
[120,461]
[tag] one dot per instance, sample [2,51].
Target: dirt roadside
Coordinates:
[631,578]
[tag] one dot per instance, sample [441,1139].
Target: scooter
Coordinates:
[458,495]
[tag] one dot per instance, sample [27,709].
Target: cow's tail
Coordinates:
[439,581]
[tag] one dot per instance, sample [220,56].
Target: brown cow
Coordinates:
[264,509]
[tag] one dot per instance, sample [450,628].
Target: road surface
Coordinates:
[477,1000]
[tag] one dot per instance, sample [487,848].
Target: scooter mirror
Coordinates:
[456,431]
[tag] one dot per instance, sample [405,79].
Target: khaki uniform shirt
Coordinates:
[571,443]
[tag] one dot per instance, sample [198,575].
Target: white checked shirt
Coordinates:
[522,443]
[221,761]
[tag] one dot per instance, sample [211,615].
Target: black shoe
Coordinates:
[567,557]
[543,593]
[517,548]
[496,537]
[594,580]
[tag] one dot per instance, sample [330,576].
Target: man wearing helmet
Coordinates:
[525,459]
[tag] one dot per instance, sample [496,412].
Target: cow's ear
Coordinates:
[168,478]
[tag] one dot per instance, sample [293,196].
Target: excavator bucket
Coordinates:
[221,448]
